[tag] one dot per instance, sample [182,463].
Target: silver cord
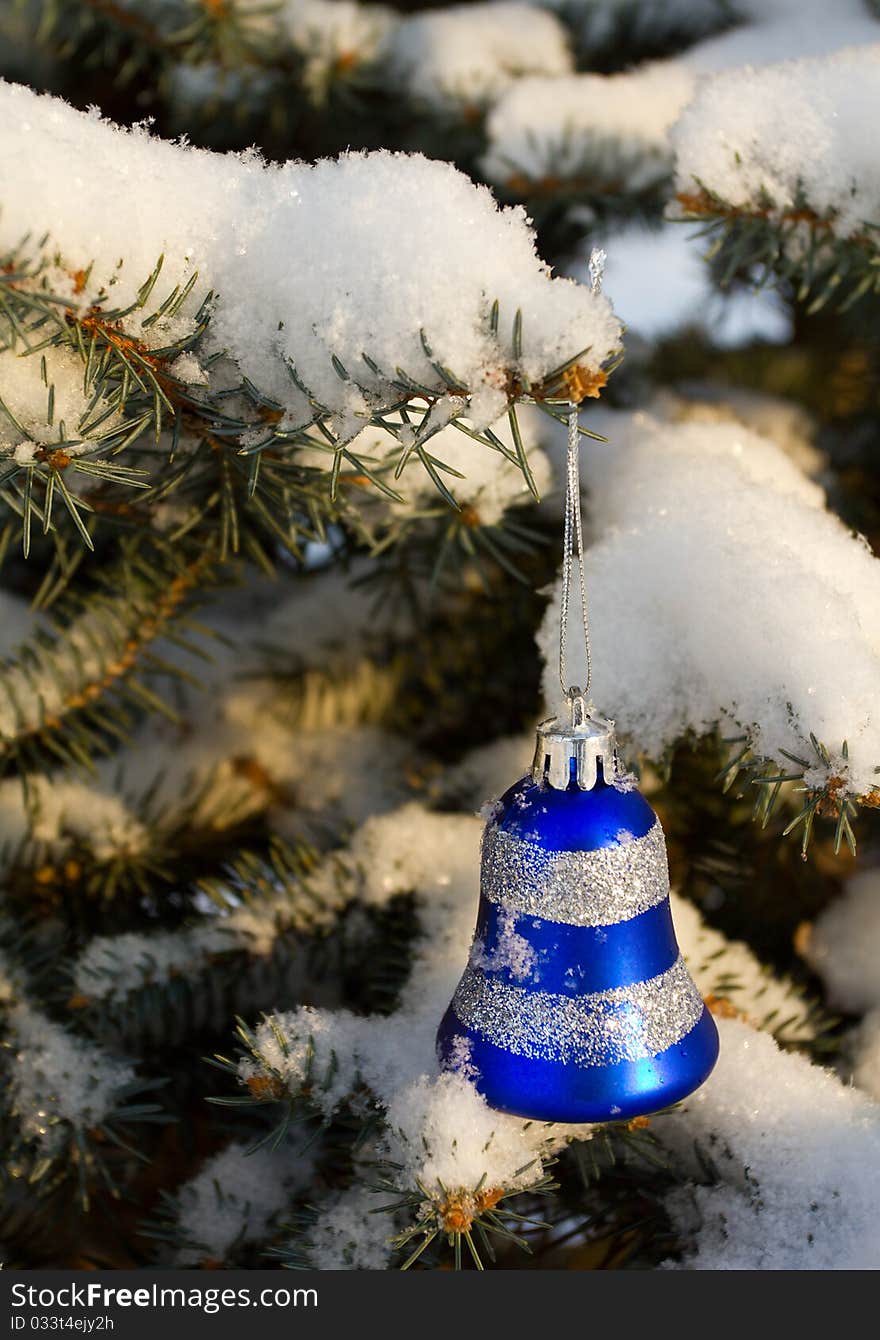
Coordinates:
[573,547]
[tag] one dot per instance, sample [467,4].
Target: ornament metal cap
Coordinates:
[586,741]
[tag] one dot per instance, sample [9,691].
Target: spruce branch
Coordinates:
[80,683]
[794,248]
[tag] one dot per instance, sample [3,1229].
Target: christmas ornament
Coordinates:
[576,1005]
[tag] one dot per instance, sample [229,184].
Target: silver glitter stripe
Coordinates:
[579,888]
[628,1023]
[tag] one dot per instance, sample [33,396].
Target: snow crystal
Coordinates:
[466,55]
[234,1199]
[844,945]
[794,1149]
[511,951]
[713,565]
[759,138]
[609,132]
[58,1077]
[308,262]
[187,369]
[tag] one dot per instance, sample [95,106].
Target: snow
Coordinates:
[59,1078]
[786,423]
[713,563]
[601,132]
[796,1153]
[234,1199]
[309,751]
[464,56]
[61,811]
[26,395]
[307,262]
[770,137]
[773,30]
[486,772]
[414,849]
[38,687]
[349,1233]
[727,970]
[844,945]
[109,967]
[511,951]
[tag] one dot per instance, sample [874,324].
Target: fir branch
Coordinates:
[81,682]
[795,248]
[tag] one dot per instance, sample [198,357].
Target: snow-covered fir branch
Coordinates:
[311,271]
[778,161]
[714,559]
[587,135]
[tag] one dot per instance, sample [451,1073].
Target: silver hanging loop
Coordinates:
[571,752]
[573,550]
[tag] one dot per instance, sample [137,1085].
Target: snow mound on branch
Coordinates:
[800,132]
[42,406]
[797,1152]
[773,30]
[784,422]
[612,131]
[307,263]
[349,1232]
[466,55]
[713,569]
[727,970]
[57,1078]
[234,1198]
